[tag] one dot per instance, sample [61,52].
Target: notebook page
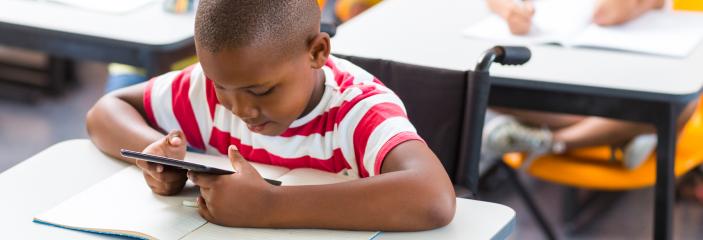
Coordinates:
[299,176]
[123,202]
[308,176]
[222,162]
[665,33]
[554,22]
[215,232]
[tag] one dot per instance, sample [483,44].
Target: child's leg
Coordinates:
[505,134]
[542,119]
[582,131]
[595,131]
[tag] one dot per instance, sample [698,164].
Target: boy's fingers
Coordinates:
[165,175]
[148,168]
[205,193]
[172,176]
[203,209]
[202,180]
[141,164]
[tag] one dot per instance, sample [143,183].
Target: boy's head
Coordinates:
[264,58]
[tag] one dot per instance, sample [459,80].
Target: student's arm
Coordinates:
[517,15]
[613,12]
[413,192]
[116,121]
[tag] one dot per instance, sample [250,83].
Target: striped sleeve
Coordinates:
[178,101]
[375,124]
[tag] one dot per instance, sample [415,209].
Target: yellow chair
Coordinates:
[594,169]
[345,9]
[688,5]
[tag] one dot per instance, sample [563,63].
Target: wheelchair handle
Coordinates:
[505,55]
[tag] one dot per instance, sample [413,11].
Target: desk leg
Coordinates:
[154,64]
[664,188]
[59,72]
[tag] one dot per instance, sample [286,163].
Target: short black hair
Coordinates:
[229,24]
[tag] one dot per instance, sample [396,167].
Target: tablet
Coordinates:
[182,164]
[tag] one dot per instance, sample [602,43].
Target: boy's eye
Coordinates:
[261,93]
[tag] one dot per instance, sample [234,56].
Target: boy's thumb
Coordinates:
[234,157]
[175,138]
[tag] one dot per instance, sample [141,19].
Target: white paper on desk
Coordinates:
[106,6]
[569,23]
[307,176]
[664,33]
[553,22]
[124,204]
[222,162]
[215,232]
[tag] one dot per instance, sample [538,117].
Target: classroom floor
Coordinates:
[27,128]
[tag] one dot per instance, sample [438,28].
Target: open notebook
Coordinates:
[123,205]
[569,23]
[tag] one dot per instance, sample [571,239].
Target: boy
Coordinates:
[266,90]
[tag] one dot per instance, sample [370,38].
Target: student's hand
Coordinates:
[161,179]
[240,199]
[519,17]
[614,12]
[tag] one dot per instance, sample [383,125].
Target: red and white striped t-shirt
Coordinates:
[357,122]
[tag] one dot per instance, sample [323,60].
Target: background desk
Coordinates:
[149,37]
[67,168]
[611,84]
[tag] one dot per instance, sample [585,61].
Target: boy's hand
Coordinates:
[240,199]
[519,17]
[161,179]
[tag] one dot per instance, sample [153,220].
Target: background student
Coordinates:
[512,130]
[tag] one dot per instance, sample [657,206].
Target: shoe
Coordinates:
[638,150]
[504,134]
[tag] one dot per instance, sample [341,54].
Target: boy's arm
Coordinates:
[117,121]
[613,12]
[412,193]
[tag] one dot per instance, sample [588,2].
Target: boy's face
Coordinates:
[265,88]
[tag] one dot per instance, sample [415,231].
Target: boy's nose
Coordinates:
[245,112]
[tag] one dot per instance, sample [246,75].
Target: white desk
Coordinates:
[147,25]
[148,37]
[65,169]
[428,33]
[611,84]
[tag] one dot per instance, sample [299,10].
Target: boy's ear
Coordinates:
[319,50]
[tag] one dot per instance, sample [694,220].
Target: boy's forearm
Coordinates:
[397,201]
[114,124]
